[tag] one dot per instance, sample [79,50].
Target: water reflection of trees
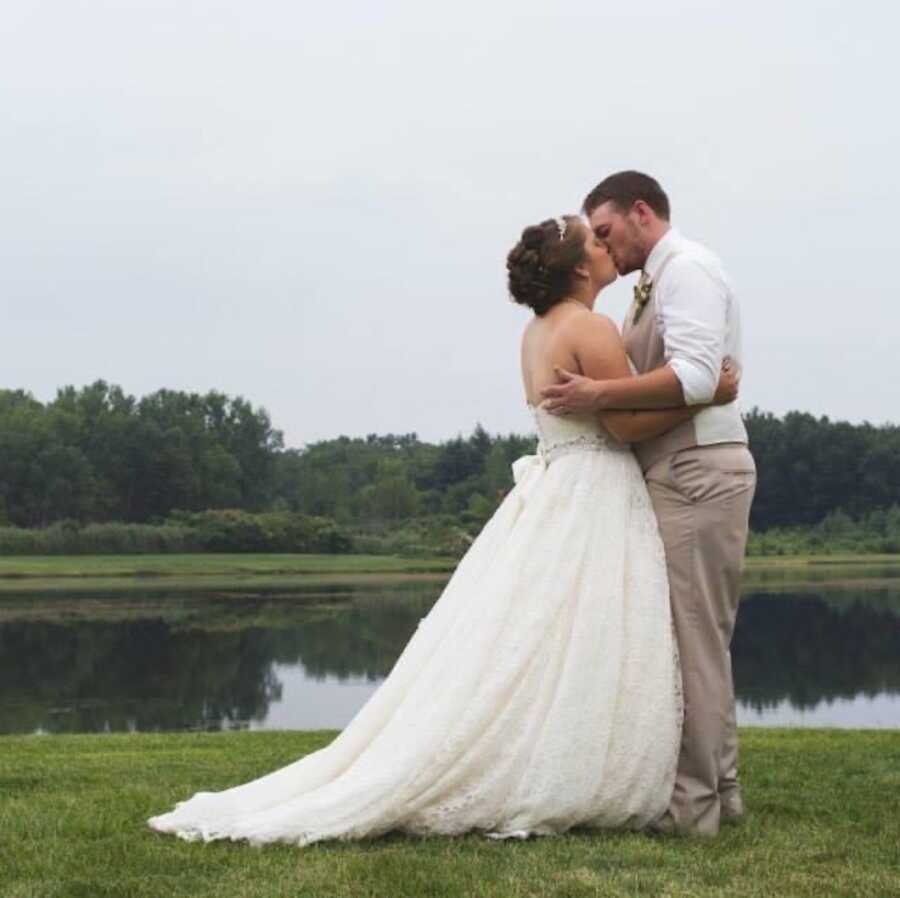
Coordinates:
[362,641]
[807,649]
[139,674]
[212,664]
[208,672]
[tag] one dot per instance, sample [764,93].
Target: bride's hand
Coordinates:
[729,383]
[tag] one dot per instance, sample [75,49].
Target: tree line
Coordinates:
[209,462]
[97,454]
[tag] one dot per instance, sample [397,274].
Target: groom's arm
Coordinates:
[600,354]
[691,318]
[657,389]
[660,388]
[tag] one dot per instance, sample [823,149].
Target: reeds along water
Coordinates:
[215,530]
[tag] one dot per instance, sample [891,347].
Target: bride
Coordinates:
[542,690]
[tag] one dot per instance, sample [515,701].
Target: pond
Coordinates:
[806,652]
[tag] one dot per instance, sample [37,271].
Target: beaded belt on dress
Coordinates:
[593,442]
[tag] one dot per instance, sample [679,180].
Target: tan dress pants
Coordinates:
[702,498]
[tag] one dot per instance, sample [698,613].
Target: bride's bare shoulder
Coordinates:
[592,324]
[570,324]
[604,322]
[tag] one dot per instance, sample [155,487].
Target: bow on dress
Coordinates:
[527,471]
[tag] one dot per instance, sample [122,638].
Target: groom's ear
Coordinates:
[643,212]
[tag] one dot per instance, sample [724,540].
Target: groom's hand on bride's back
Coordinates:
[729,383]
[575,394]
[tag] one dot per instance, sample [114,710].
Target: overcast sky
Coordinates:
[310,205]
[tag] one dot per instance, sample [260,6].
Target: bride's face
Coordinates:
[598,263]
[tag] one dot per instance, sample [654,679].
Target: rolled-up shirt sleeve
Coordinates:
[691,313]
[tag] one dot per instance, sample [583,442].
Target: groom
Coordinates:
[701,476]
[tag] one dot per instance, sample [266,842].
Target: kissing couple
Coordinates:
[575,671]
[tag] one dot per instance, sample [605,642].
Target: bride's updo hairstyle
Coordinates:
[541,264]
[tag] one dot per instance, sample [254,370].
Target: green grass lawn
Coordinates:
[822,821]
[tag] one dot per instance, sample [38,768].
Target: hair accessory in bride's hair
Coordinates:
[561,225]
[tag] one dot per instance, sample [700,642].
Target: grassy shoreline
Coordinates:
[210,573]
[259,573]
[821,821]
[213,564]
[209,564]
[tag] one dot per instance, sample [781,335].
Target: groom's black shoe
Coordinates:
[732,807]
[663,826]
[666,825]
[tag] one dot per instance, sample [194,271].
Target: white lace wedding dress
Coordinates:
[542,690]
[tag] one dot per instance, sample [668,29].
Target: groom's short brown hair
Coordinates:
[625,188]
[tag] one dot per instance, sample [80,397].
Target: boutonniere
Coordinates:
[641,298]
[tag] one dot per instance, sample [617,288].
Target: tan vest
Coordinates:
[645,347]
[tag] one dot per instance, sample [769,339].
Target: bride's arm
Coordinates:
[601,356]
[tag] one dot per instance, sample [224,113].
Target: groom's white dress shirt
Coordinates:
[698,317]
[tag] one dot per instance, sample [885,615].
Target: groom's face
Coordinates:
[621,233]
